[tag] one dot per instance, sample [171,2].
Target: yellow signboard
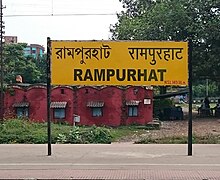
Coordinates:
[119,63]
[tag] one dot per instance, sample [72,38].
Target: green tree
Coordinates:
[202,88]
[15,63]
[42,67]
[176,21]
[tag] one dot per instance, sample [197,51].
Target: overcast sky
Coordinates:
[70,26]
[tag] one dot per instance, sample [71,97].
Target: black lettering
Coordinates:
[161,73]
[88,75]
[153,75]
[120,78]
[142,74]
[110,73]
[99,75]
[77,74]
[131,74]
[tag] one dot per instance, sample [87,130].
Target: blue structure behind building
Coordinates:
[34,50]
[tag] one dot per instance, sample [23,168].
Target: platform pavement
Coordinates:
[111,161]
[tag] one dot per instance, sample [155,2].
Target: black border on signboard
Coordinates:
[190,48]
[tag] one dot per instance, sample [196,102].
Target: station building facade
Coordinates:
[108,106]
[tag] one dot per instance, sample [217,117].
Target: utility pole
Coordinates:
[1,62]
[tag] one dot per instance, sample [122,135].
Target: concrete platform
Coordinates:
[112,161]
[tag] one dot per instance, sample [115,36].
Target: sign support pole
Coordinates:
[190,99]
[48,94]
[1,64]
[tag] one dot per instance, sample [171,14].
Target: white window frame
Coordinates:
[61,111]
[22,112]
[97,111]
[132,111]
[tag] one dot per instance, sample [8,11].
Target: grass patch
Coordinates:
[164,140]
[207,139]
[23,131]
[123,132]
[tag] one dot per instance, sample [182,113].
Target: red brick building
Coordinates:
[10,39]
[110,106]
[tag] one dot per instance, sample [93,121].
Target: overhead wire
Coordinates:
[71,14]
[50,5]
[22,14]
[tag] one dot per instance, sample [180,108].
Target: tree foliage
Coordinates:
[42,67]
[204,88]
[176,21]
[15,63]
